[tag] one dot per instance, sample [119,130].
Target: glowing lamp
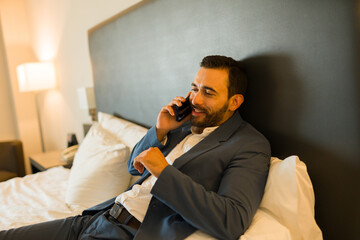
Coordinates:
[36,76]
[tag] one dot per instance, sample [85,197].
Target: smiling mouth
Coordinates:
[196,111]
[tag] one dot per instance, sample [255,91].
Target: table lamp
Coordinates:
[86,98]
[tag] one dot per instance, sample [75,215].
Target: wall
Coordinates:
[7,121]
[18,50]
[49,30]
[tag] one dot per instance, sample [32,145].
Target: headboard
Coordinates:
[301,60]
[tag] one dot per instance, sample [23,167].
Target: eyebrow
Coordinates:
[205,87]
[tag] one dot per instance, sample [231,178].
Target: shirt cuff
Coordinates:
[163,142]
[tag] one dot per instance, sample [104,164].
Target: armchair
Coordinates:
[11,160]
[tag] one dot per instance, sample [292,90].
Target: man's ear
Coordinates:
[235,102]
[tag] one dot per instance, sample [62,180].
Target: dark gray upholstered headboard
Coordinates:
[302,63]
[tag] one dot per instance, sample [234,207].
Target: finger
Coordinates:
[178,98]
[157,149]
[140,168]
[168,109]
[177,102]
[138,165]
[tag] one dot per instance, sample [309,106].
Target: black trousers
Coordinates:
[99,226]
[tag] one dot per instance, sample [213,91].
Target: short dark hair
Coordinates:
[237,78]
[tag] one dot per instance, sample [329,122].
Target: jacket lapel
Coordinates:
[222,133]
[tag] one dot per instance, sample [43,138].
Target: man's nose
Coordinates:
[197,99]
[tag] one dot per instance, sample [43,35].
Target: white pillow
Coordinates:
[129,133]
[286,211]
[263,226]
[99,171]
[289,198]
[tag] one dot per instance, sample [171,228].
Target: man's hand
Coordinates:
[166,120]
[152,159]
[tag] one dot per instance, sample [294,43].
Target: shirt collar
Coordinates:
[206,131]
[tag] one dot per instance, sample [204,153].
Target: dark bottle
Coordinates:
[71,139]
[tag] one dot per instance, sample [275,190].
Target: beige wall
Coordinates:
[18,50]
[7,120]
[51,30]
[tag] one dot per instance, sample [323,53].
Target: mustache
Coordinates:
[198,108]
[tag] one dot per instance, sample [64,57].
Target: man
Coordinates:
[205,174]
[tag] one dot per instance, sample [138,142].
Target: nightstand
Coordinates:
[43,161]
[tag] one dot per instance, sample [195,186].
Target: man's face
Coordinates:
[209,98]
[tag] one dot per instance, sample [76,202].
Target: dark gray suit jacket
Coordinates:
[216,186]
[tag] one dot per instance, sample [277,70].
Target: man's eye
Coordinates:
[209,93]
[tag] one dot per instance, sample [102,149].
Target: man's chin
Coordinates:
[196,122]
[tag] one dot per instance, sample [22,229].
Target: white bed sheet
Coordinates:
[35,198]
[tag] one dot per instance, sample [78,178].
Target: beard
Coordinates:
[210,119]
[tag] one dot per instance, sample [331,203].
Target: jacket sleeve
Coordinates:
[149,140]
[226,213]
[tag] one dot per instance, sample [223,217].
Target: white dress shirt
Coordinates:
[137,200]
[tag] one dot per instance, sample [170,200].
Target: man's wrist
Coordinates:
[161,134]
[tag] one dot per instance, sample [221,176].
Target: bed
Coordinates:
[99,172]
[303,96]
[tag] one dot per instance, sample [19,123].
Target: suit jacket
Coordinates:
[216,186]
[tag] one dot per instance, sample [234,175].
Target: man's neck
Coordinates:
[197,130]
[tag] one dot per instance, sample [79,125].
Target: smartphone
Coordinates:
[184,110]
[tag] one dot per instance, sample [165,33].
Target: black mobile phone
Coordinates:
[184,110]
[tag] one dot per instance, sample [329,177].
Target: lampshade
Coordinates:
[86,98]
[36,76]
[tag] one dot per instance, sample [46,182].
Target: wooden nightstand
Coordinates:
[43,161]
